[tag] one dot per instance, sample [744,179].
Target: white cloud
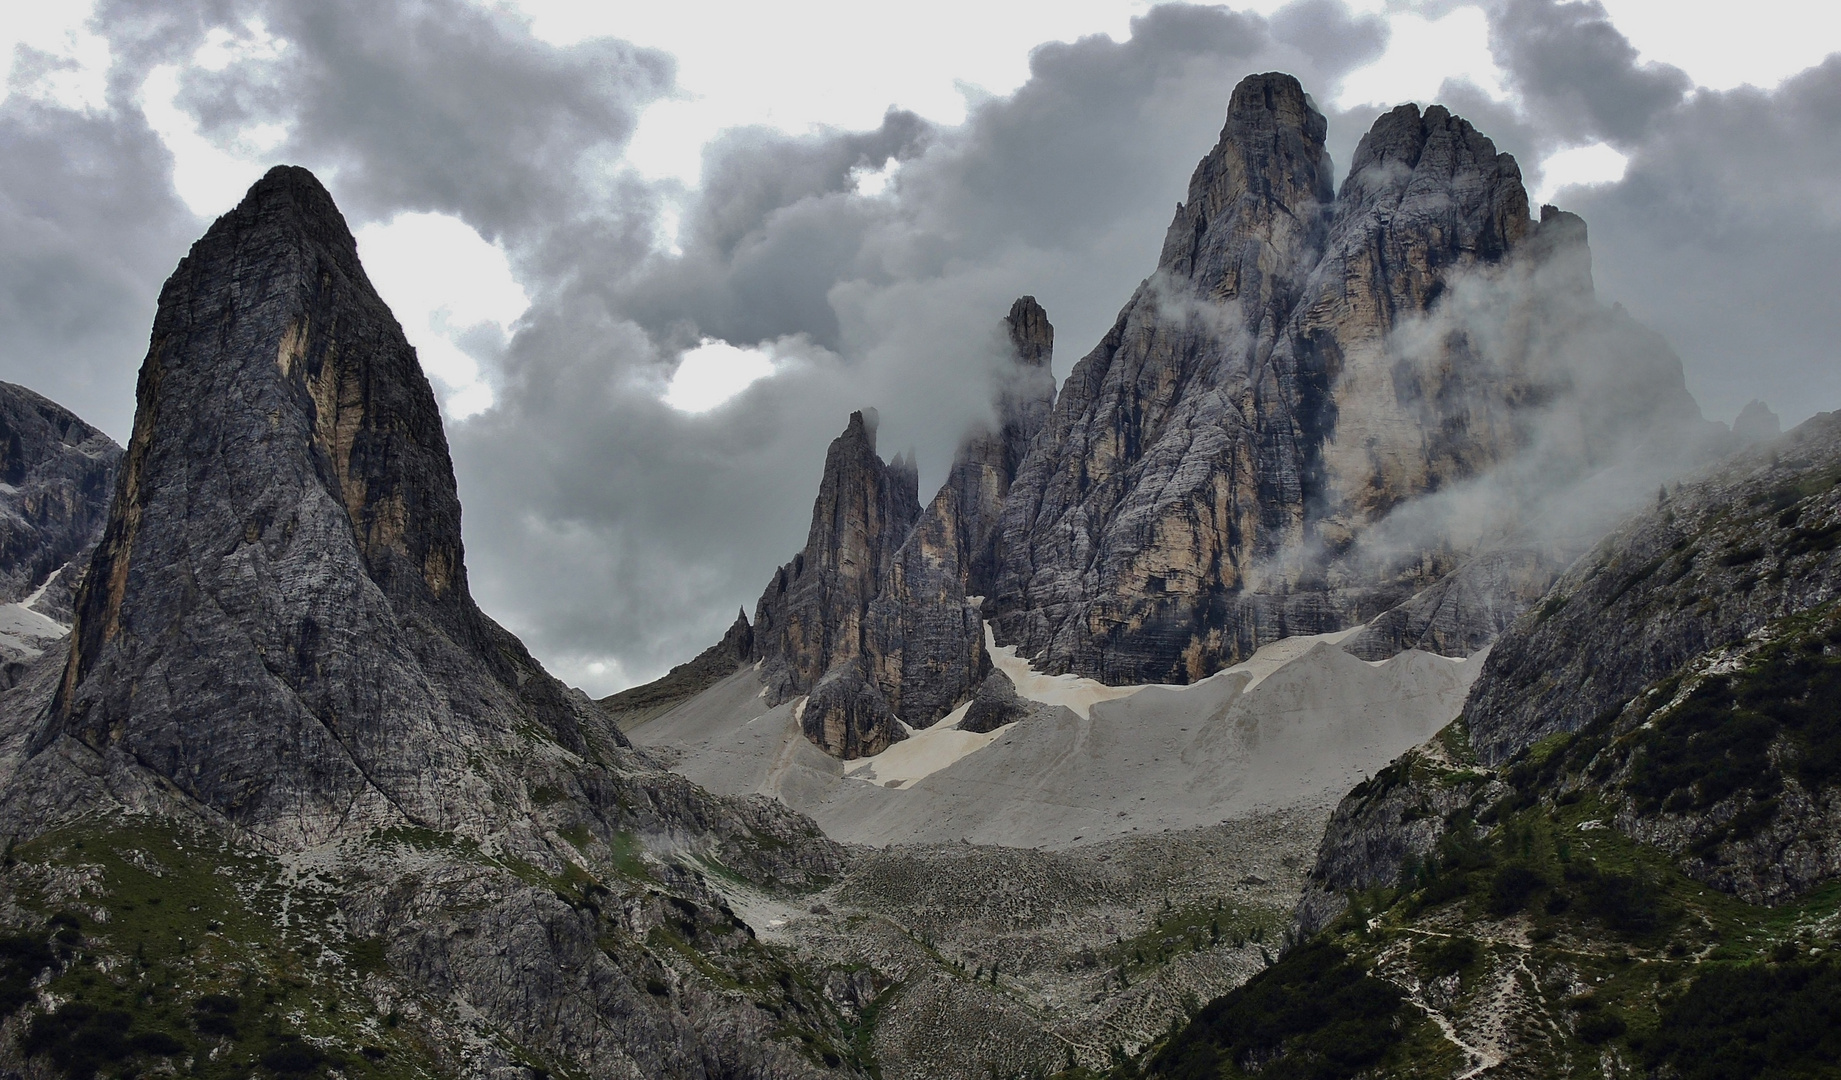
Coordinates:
[835,63]
[1722,45]
[77,75]
[455,295]
[1596,163]
[714,372]
[211,175]
[1421,54]
[208,177]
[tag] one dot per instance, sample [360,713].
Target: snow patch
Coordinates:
[924,752]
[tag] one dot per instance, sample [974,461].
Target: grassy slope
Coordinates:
[137,948]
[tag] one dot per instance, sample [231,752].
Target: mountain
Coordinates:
[873,620]
[1398,407]
[1623,851]
[287,799]
[56,475]
[1321,404]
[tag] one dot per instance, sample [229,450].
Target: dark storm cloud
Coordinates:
[1725,233]
[437,106]
[88,227]
[1726,236]
[1574,69]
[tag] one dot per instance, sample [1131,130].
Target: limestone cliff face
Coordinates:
[275,652]
[873,619]
[811,617]
[1143,502]
[58,473]
[285,543]
[1249,451]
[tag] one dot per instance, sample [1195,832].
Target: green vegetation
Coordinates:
[189,971]
[1740,734]
[1750,1022]
[1315,1015]
[1194,928]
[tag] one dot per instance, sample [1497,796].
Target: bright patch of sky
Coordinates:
[71,67]
[209,177]
[1596,163]
[714,372]
[455,295]
[1421,54]
[840,63]
[1721,44]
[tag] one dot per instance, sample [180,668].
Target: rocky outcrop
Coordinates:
[285,543]
[811,619]
[1318,406]
[1676,676]
[1714,560]
[877,608]
[277,663]
[1756,423]
[997,703]
[709,667]
[56,476]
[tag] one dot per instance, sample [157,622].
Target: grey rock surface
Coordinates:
[1721,557]
[811,618]
[635,706]
[878,606]
[57,474]
[285,543]
[1250,451]
[1756,423]
[276,650]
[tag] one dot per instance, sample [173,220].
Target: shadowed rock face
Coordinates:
[275,651]
[58,474]
[811,617]
[1230,465]
[285,543]
[873,618]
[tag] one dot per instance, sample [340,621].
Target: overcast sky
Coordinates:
[653,254]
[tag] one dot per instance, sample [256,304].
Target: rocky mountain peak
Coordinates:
[1263,188]
[1756,423]
[285,543]
[1303,365]
[1031,334]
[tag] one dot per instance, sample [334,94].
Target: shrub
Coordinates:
[1513,886]
[1314,1015]
[1756,1020]
[1447,956]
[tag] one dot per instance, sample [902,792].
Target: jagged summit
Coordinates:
[285,544]
[1266,444]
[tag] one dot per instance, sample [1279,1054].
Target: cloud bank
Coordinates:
[617,534]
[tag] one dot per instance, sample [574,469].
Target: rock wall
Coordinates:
[58,474]
[874,618]
[1250,451]
[285,542]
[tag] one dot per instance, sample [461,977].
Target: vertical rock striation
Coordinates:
[56,476]
[1399,405]
[810,619]
[285,543]
[1250,451]
[874,618]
